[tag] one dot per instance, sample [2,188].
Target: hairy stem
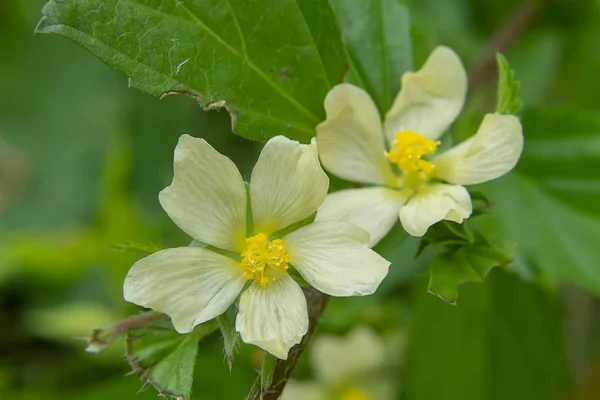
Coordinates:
[283,368]
[103,335]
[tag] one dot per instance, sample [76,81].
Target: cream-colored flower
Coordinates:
[208,200]
[410,180]
[346,368]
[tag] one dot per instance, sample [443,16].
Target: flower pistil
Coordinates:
[263,259]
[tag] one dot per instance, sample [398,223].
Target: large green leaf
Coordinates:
[550,234]
[562,155]
[503,341]
[166,359]
[550,203]
[376,35]
[270,63]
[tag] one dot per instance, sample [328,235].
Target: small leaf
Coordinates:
[226,323]
[270,64]
[145,248]
[467,263]
[266,372]
[446,233]
[508,88]
[376,35]
[164,358]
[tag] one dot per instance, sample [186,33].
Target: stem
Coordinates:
[283,368]
[103,335]
[503,40]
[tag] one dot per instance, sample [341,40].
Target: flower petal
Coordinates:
[431,98]
[351,143]
[190,284]
[490,153]
[304,390]
[273,317]
[207,198]
[335,258]
[339,360]
[434,203]
[287,185]
[374,209]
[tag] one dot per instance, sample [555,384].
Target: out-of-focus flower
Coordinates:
[243,237]
[410,181]
[346,368]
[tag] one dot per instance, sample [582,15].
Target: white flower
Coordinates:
[208,200]
[403,183]
[346,368]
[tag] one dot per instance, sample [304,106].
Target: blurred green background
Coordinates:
[82,159]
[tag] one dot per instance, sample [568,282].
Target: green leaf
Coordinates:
[508,88]
[555,237]
[266,371]
[226,323]
[376,35]
[550,203]
[164,358]
[230,54]
[144,248]
[562,155]
[467,263]
[504,341]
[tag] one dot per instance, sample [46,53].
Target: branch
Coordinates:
[103,335]
[503,40]
[283,368]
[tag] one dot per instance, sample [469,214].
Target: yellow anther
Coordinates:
[353,393]
[263,259]
[409,148]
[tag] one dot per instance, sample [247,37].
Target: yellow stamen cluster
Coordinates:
[353,393]
[408,149]
[263,258]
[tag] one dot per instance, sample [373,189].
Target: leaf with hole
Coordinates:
[269,63]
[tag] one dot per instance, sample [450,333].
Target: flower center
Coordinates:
[264,260]
[409,148]
[353,393]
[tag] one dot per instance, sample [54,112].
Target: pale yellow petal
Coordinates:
[190,284]
[490,153]
[303,390]
[374,209]
[335,258]
[342,359]
[432,204]
[207,198]
[431,98]
[287,184]
[273,317]
[351,142]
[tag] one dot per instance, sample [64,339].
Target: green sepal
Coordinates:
[164,358]
[508,101]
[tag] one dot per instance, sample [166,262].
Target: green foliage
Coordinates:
[266,371]
[470,263]
[230,335]
[563,155]
[508,88]
[376,35]
[465,257]
[503,341]
[550,204]
[164,358]
[272,80]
